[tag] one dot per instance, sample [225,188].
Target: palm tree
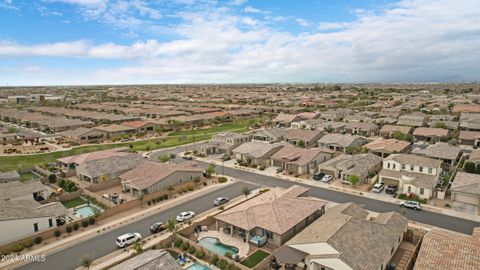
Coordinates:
[171,224]
[137,246]
[87,261]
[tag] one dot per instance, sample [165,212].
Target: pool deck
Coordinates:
[243,248]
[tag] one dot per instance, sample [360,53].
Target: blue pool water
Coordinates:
[213,244]
[85,211]
[197,266]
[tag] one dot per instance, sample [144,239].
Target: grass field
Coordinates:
[28,176]
[255,258]
[74,202]
[173,139]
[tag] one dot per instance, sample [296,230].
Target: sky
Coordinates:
[68,42]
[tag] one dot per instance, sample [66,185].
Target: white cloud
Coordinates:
[251,9]
[414,40]
[238,2]
[302,22]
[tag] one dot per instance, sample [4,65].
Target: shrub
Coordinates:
[17,247]
[91,221]
[200,254]
[190,187]
[205,183]
[68,229]
[52,178]
[160,198]
[222,179]
[261,168]
[192,250]
[85,223]
[214,259]
[165,196]
[228,254]
[149,202]
[178,243]
[57,233]
[75,226]
[185,246]
[221,264]
[28,243]
[38,240]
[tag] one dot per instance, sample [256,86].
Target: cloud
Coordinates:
[238,2]
[412,40]
[302,22]
[251,9]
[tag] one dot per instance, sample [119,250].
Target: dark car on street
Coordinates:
[157,227]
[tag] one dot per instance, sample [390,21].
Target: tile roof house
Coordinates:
[361,165]
[414,120]
[114,130]
[224,143]
[302,137]
[141,126]
[345,237]
[257,153]
[9,176]
[465,188]
[300,160]
[152,259]
[270,135]
[443,249]
[411,173]
[445,152]
[276,214]
[363,129]
[150,177]
[85,135]
[430,134]
[387,131]
[470,121]
[384,147]
[106,169]
[285,120]
[466,108]
[71,162]
[469,138]
[340,142]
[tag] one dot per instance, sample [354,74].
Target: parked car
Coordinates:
[378,187]
[187,157]
[327,178]
[391,189]
[318,176]
[128,239]
[220,200]
[184,216]
[157,227]
[411,204]
[224,157]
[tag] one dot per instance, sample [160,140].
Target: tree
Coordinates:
[440,125]
[246,191]
[164,158]
[210,170]
[171,224]
[87,261]
[52,178]
[353,179]
[301,144]
[470,167]
[137,246]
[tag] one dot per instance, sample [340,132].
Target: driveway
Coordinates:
[465,208]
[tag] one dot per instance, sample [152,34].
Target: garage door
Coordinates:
[464,198]
[389,181]
[328,172]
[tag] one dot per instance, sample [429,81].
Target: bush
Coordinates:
[28,243]
[222,179]
[17,247]
[192,250]
[205,183]
[214,259]
[200,254]
[91,221]
[190,187]
[185,246]
[221,264]
[75,226]
[178,243]
[228,254]
[52,178]
[149,202]
[85,223]
[38,240]
[165,196]
[57,233]
[262,168]
[68,229]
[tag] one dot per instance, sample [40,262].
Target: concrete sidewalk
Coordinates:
[320,184]
[113,224]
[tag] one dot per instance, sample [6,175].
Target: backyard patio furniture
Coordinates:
[258,240]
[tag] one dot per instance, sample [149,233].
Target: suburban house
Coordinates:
[284,120]
[85,135]
[470,121]
[151,177]
[335,115]
[465,188]
[471,138]
[302,137]
[21,215]
[387,131]
[384,147]
[412,173]
[72,162]
[115,130]
[276,215]
[331,127]
[413,120]
[7,138]
[152,259]
[447,153]
[141,126]
[105,169]
[474,156]
[9,176]
[270,135]
[362,165]
[300,160]
[361,128]
[224,143]
[442,249]
[340,142]
[430,134]
[450,125]
[345,237]
[256,153]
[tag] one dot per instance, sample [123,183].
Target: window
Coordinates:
[50,222]
[430,170]
[393,166]
[411,167]
[422,191]
[420,169]
[35,227]
[409,189]
[191,177]
[403,166]
[388,165]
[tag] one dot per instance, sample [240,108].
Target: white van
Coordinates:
[127,239]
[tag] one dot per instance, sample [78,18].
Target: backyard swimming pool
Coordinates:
[197,266]
[213,244]
[85,210]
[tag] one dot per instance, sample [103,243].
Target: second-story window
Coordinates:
[420,169]
[430,170]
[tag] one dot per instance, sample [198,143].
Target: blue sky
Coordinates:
[49,42]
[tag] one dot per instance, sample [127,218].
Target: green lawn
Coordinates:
[74,202]
[28,176]
[255,258]
[239,126]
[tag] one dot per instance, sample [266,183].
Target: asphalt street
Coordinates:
[71,258]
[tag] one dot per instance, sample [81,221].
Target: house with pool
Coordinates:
[271,218]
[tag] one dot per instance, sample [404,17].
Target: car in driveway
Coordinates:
[127,239]
[327,178]
[220,200]
[187,157]
[157,227]
[184,216]
[318,176]
[378,187]
[411,204]
[391,189]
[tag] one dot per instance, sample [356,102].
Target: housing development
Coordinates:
[253,176]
